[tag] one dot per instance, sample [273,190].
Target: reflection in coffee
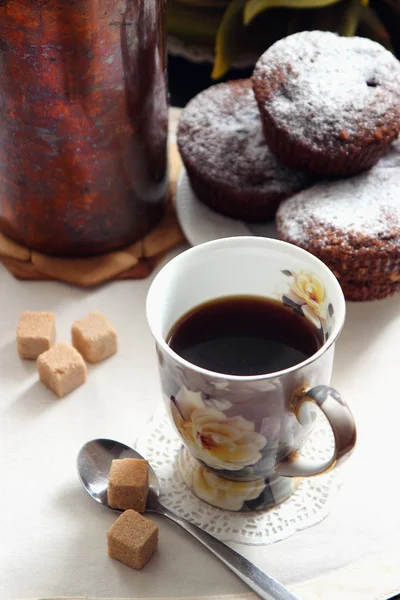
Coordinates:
[243,335]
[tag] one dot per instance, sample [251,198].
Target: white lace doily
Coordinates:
[309,505]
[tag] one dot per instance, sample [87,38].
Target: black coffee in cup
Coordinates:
[244,335]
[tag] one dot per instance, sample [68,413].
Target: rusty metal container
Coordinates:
[83,122]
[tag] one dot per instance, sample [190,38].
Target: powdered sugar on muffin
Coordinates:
[331,97]
[221,142]
[361,210]
[365,209]
[353,226]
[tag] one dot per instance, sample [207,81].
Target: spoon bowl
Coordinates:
[94,463]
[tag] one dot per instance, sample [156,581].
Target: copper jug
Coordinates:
[83,122]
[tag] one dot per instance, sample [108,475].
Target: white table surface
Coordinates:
[53,536]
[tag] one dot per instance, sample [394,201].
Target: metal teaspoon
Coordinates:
[94,462]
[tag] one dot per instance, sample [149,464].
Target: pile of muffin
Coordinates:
[308,140]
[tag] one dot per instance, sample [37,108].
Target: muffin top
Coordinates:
[361,213]
[321,87]
[220,137]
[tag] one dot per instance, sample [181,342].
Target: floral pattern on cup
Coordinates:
[217,491]
[307,295]
[244,429]
[220,441]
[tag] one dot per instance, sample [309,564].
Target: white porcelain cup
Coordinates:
[243,435]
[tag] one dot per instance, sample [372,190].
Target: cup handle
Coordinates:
[343,426]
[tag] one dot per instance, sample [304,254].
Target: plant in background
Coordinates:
[237,28]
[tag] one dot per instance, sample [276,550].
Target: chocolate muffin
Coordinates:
[330,105]
[228,162]
[353,226]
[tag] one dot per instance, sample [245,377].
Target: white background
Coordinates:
[53,536]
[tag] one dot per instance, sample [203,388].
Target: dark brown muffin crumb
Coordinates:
[353,226]
[228,162]
[329,105]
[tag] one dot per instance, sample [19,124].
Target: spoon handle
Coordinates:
[261,583]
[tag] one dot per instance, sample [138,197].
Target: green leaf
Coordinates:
[351,18]
[227,38]
[343,18]
[255,7]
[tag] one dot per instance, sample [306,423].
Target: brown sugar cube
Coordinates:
[62,369]
[95,337]
[132,539]
[36,332]
[128,483]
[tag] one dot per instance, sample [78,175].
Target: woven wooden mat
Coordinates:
[133,262]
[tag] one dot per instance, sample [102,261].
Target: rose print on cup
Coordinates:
[220,492]
[308,291]
[244,429]
[307,294]
[221,442]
